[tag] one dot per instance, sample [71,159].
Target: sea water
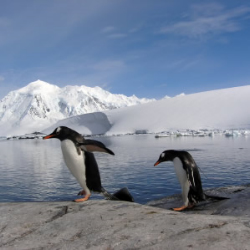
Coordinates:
[34,170]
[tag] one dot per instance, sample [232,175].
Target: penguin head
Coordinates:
[167,155]
[61,133]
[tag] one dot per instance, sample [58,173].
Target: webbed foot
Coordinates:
[85,198]
[183,207]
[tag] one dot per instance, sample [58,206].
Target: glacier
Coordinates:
[224,109]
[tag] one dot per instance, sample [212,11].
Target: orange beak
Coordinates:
[158,162]
[48,136]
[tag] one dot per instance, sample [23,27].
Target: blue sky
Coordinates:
[150,48]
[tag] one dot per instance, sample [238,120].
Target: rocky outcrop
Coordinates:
[101,224]
[237,205]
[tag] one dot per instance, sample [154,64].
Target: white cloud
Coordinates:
[112,32]
[208,20]
[108,29]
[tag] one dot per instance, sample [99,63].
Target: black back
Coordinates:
[189,165]
[93,179]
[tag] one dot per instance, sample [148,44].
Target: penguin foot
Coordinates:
[180,208]
[183,207]
[85,198]
[82,192]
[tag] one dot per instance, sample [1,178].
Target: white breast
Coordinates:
[182,178]
[75,162]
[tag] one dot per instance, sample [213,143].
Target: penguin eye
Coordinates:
[58,130]
[162,155]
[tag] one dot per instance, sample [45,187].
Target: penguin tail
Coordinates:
[122,195]
[215,197]
[107,195]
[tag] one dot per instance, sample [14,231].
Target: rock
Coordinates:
[101,224]
[237,205]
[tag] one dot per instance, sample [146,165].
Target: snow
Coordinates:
[225,109]
[41,104]
[93,123]
[211,110]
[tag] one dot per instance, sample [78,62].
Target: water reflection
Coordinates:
[33,170]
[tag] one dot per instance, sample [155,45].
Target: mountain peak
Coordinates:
[38,86]
[40,104]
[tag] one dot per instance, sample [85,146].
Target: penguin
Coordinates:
[188,176]
[78,156]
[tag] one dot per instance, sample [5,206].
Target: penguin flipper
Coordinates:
[94,146]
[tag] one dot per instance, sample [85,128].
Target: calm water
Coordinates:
[33,170]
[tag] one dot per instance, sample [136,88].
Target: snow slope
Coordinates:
[218,109]
[41,104]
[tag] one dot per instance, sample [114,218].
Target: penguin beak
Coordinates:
[158,162]
[48,136]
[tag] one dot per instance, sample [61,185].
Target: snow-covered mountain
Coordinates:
[41,104]
[217,109]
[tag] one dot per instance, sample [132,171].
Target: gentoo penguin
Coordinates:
[189,177]
[82,164]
